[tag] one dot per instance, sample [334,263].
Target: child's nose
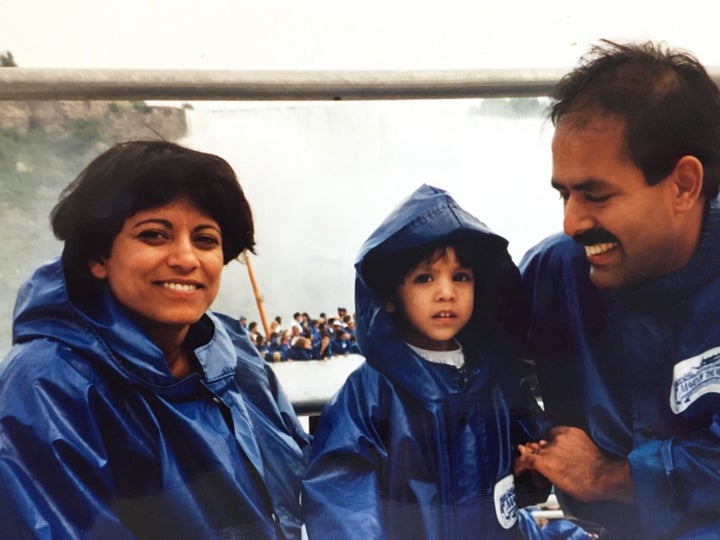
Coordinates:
[446,289]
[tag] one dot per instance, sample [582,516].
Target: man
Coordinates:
[297,321]
[625,307]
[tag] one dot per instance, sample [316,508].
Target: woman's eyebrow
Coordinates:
[159,221]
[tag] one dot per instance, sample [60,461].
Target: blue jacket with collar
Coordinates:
[99,440]
[638,369]
[414,449]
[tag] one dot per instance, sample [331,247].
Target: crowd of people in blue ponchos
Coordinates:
[305,338]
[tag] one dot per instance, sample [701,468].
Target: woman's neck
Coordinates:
[171,342]
[180,363]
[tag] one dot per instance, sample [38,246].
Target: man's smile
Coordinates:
[599,249]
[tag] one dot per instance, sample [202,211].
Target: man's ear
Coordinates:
[688,182]
[97,268]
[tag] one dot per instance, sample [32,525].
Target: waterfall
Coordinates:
[321,176]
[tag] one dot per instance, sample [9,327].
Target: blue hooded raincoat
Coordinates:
[638,369]
[99,440]
[410,448]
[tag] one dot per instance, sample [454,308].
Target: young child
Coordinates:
[419,442]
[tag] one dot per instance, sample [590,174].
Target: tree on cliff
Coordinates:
[7,60]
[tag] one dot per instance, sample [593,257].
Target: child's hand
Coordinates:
[524,466]
[531,486]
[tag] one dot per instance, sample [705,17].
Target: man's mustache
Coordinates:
[594,236]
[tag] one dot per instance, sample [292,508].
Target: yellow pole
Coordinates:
[258,297]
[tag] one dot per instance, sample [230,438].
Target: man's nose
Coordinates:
[576,216]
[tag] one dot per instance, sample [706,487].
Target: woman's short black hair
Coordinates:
[140,175]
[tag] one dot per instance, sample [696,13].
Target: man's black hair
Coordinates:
[669,103]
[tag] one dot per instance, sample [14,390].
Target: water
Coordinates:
[320,176]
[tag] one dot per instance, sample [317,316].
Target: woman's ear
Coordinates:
[390,307]
[97,268]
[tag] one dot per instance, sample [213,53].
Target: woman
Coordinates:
[129,410]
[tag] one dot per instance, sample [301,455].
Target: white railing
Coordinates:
[309,384]
[217,85]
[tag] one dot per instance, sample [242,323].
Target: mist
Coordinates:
[321,176]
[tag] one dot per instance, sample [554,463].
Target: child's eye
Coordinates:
[463,276]
[423,278]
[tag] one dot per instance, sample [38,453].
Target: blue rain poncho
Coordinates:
[414,449]
[637,368]
[99,440]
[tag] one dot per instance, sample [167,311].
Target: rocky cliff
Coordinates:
[112,121]
[43,146]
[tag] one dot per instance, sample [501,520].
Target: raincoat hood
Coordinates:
[83,376]
[427,216]
[91,322]
[411,448]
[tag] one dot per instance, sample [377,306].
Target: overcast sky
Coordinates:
[338,34]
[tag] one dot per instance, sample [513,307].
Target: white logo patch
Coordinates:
[505,502]
[693,378]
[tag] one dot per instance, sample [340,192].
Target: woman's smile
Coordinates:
[165,265]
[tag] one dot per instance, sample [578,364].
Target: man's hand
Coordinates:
[572,462]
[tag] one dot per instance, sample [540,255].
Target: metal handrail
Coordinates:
[37,84]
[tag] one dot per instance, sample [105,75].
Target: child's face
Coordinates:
[436,298]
